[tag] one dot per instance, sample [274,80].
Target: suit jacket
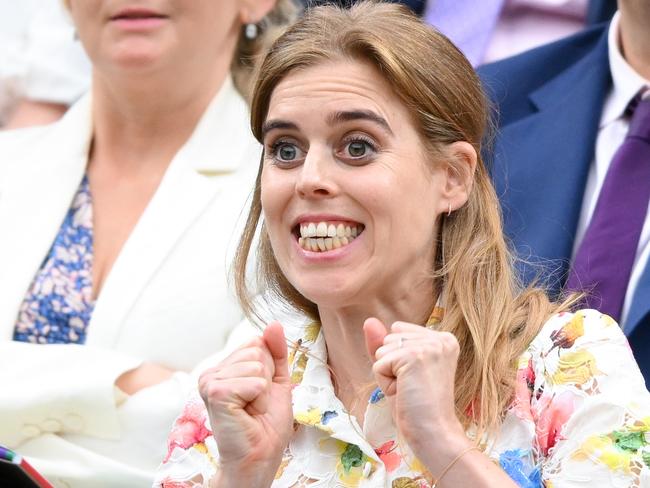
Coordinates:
[550,101]
[166,299]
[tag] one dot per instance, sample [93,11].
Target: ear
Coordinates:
[459,165]
[252,11]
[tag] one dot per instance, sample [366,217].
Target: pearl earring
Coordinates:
[250,32]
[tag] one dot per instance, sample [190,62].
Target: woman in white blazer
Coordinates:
[150,171]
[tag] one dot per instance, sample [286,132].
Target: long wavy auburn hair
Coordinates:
[491,315]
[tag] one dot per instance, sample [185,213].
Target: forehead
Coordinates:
[335,85]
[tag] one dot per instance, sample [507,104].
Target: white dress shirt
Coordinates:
[612,130]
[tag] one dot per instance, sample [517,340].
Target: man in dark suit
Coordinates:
[564,111]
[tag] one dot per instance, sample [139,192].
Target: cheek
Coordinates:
[275,196]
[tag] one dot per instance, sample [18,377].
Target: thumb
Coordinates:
[374,331]
[277,346]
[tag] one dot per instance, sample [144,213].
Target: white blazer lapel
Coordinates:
[36,194]
[196,176]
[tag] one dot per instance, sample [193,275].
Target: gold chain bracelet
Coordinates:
[451,464]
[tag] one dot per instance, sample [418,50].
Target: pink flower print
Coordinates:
[555,411]
[189,429]
[523,390]
[389,457]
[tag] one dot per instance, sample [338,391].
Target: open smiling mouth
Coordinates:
[326,236]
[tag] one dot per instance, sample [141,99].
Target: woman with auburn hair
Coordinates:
[415,359]
[116,230]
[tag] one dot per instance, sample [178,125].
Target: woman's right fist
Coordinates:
[248,398]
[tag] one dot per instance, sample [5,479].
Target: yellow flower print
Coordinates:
[405,482]
[311,332]
[575,368]
[298,367]
[566,336]
[603,449]
[311,417]
[350,465]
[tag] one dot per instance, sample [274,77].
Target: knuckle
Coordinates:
[214,392]
[257,368]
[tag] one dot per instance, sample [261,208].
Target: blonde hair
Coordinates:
[490,314]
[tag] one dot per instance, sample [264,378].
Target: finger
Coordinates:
[246,352]
[384,377]
[242,370]
[407,327]
[277,346]
[375,332]
[220,395]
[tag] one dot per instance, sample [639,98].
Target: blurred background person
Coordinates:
[116,222]
[572,164]
[488,30]
[43,68]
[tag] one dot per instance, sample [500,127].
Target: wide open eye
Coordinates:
[357,149]
[285,153]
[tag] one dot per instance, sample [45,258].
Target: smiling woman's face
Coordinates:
[349,195]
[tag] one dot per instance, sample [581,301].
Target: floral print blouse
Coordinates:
[58,304]
[580,417]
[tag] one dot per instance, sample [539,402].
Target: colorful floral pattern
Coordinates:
[58,304]
[580,416]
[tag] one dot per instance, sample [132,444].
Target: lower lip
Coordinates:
[139,23]
[326,256]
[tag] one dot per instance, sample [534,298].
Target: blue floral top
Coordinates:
[59,302]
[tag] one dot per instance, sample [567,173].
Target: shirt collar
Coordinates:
[626,81]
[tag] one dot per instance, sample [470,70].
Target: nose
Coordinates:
[316,178]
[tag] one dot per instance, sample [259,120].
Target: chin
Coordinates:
[326,295]
[137,56]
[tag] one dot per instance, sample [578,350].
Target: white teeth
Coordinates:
[321,236]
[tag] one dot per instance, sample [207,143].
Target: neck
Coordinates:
[347,354]
[634,35]
[141,122]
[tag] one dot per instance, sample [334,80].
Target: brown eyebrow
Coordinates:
[349,115]
[269,125]
[337,117]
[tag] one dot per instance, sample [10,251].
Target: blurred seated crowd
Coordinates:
[343,243]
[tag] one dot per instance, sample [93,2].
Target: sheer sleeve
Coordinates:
[589,404]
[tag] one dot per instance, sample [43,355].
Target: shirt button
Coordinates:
[30,430]
[51,425]
[73,422]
